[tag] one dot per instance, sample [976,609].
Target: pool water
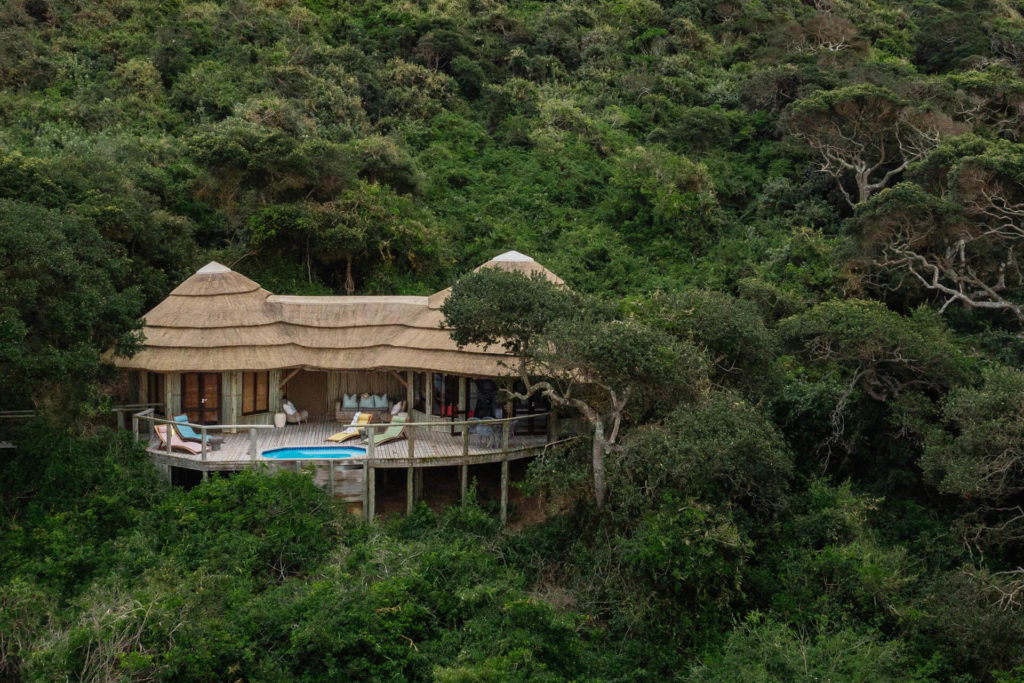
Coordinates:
[313,452]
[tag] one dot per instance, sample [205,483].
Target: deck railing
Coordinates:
[204,430]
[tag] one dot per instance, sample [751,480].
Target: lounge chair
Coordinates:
[292,414]
[186,432]
[352,431]
[176,441]
[395,431]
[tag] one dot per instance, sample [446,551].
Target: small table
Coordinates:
[214,442]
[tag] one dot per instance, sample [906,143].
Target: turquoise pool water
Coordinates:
[313,452]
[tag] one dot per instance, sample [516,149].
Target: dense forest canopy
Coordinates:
[791,228]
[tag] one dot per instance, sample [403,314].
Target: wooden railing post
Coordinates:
[252,444]
[506,433]
[411,435]
[168,435]
[465,440]
[202,443]
[135,426]
[120,420]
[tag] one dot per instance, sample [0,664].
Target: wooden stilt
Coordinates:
[330,477]
[418,483]
[371,491]
[408,490]
[504,492]
[463,481]
[368,476]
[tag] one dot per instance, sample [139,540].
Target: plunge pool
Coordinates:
[314,452]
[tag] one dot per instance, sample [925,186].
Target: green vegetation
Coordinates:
[792,233]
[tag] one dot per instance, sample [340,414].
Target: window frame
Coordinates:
[257,406]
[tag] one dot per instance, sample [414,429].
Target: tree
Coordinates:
[730,330]
[720,450]
[978,455]
[864,133]
[65,300]
[957,232]
[573,352]
[870,352]
[369,228]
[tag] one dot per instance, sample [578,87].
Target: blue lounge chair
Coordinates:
[186,432]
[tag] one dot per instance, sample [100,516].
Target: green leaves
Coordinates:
[979,455]
[492,306]
[720,449]
[64,301]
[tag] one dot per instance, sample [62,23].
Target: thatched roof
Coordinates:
[219,320]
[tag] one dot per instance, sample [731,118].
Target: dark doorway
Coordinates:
[200,397]
[307,390]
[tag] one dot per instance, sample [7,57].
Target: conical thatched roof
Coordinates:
[510,261]
[219,320]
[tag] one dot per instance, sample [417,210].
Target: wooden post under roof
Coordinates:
[168,395]
[410,431]
[410,397]
[429,384]
[463,412]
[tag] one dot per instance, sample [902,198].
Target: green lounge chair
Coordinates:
[395,431]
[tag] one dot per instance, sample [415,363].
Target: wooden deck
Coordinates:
[430,448]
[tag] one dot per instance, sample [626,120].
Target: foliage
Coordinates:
[790,230]
[729,330]
[719,449]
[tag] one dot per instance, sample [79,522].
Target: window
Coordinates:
[255,392]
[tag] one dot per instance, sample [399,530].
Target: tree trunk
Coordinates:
[350,284]
[600,484]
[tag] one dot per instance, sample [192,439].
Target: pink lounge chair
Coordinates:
[176,441]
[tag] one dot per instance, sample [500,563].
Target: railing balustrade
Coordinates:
[498,432]
[148,416]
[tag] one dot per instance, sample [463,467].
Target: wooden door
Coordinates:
[200,397]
